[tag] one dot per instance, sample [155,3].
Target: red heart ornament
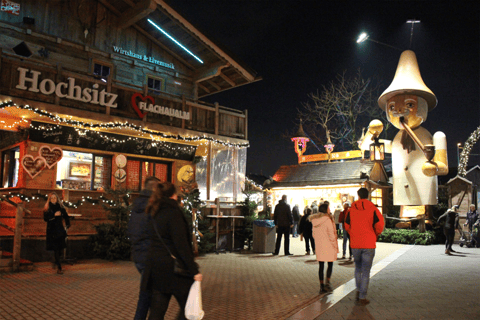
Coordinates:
[135,106]
[33,166]
[51,155]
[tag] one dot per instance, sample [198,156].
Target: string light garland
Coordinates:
[68,204]
[467,148]
[90,127]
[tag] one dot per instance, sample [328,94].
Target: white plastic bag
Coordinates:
[193,308]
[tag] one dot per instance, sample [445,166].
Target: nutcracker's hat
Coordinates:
[408,80]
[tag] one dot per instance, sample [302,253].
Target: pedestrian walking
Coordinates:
[451,223]
[314,207]
[346,237]
[170,241]
[283,219]
[140,242]
[296,219]
[325,236]
[336,215]
[472,217]
[305,229]
[364,223]
[53,214]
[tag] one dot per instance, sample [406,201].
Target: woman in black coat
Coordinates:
[54,213]
[159,277]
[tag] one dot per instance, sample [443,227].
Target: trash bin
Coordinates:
[263,236]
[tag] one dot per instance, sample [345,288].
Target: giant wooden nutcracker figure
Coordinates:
[417,157]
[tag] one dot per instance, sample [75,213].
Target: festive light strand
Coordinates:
[467,148]
[68,204]
[124,125]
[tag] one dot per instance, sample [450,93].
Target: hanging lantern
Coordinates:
[300,140]
[377,151]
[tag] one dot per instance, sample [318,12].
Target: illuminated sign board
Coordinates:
[130,53]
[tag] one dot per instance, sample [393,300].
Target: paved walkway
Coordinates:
[235,286]
[422,283]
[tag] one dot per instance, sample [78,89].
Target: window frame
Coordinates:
[154,77]
[103,64]
[142,176]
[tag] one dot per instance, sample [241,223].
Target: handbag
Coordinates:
[178,267]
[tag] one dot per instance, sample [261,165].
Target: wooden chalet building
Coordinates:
[99,94]
[336,182]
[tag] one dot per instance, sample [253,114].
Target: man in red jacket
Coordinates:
[364,223]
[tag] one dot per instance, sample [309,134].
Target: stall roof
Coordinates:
[324,173]
[215,69]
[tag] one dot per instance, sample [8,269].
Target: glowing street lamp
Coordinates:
[377,151]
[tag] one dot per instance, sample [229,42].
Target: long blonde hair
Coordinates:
[49,200]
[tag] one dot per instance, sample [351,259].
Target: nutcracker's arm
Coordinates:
[440,158]
[374,129]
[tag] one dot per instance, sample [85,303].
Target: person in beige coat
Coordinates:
[325,236]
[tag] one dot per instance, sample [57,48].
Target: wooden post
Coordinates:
[183,109]
[209,168]
[217,117]
[246,124]
[17,238]
[194,236]
[235,174]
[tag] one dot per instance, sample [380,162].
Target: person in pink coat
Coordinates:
[325,236]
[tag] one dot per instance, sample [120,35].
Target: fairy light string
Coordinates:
[90,127]
[467,148]
[75,205]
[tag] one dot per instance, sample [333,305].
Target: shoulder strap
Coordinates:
[159,237]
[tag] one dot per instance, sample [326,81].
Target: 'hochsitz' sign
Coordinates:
[66,90]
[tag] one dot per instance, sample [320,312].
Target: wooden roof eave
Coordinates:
[245,73]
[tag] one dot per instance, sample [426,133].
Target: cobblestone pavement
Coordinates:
[423,283]
[235,286]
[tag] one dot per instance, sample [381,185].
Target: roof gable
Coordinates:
[355,171]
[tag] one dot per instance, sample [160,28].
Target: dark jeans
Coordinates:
[346,237]
[161,300]
[450,235]
[320,270]
[309,240]
[286,232]
[144,298]
[295,229]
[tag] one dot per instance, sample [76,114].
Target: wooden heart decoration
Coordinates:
[142,98]
[33,166]
[51,155]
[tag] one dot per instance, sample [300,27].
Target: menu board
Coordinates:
[68,136]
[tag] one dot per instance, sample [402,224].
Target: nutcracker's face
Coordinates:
[411,108]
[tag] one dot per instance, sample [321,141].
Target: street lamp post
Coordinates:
[459,146]
[364,37]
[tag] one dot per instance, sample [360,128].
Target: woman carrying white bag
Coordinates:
[171,269]
[194,308]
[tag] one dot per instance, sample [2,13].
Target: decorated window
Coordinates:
[139,170]
[84,171]
[376,198]
[10,164]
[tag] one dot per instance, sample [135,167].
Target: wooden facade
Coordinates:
[98,79]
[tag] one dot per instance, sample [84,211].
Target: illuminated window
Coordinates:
[10,165]
[155,83]
[376,198]
[84,171]
[138,170]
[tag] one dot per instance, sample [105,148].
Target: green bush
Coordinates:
[111,241]
[407,236]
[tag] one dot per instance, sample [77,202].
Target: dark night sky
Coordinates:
[298,46]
